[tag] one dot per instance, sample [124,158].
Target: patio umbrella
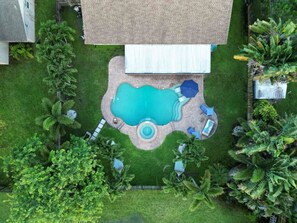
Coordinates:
[189,88]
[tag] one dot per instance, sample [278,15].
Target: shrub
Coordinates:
[21,51]
[265,111]
[219,174]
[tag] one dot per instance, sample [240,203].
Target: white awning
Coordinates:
[4,53]
[267,90]
[167,59]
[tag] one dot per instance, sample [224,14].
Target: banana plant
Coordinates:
[56,120]
[204,192]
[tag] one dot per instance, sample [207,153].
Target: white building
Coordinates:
[17,19]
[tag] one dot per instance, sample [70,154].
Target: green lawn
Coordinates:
[21,90]
[4,208]
[225,88]
[158,207]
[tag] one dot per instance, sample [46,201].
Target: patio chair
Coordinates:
[181,148]
[192,132]
[98,129]
[182,99]
[179,167]
[118,165]
[177,90]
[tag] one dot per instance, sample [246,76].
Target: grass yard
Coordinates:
[158,207]
[225,88]
[21,91]
[4,207]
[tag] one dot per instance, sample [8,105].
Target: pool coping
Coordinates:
[192,116]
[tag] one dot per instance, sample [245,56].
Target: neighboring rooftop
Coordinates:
[12,27]
[156,21]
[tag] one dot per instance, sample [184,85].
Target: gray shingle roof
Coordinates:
[156,21]
[11,22]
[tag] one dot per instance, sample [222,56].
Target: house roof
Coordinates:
[12,27]
[156,21]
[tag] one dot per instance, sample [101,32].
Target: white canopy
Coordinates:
[4,53]
[267,90]
[167,59]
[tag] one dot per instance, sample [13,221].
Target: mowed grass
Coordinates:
[4,207]
[225,89]
[21,91]
[158,207]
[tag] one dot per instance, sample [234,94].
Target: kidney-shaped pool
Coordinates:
[136,105]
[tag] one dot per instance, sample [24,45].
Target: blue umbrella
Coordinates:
[189,88]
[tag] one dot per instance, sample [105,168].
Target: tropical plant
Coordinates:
[68,189]
[265,111]
[56,120]
[119,182]
[284,9]
[219,174]
[192,153]
[273,139]
[3,125]
[108,149]
[263,183]
[32,152]
[204,192]
[55,48]
[272,46]
[174,184]
[20,51]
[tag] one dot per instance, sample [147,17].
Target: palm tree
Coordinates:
[265,181]
[193,152]
[56,120]
[175,184]
[204,192]
[272,46]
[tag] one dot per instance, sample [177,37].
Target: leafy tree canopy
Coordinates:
[69,188]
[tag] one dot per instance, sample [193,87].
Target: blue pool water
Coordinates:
[136,105]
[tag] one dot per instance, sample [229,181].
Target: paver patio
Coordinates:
[192,116]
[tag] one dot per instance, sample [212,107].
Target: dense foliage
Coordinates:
[265,111]
[68,188]
[219,174]
[118,182]
[203,192]
[273,47]
[192,153]
[56,50]
[56,120]
[265,179]
[20,51]
[284,9]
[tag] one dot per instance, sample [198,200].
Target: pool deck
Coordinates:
[192,116]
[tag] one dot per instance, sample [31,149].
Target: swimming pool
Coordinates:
[136,105]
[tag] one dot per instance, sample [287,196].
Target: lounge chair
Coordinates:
[179,167]
[118,165]
[208,127]
[177,90]
[98,129]
[182,99]
[181,148]
[192,132]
